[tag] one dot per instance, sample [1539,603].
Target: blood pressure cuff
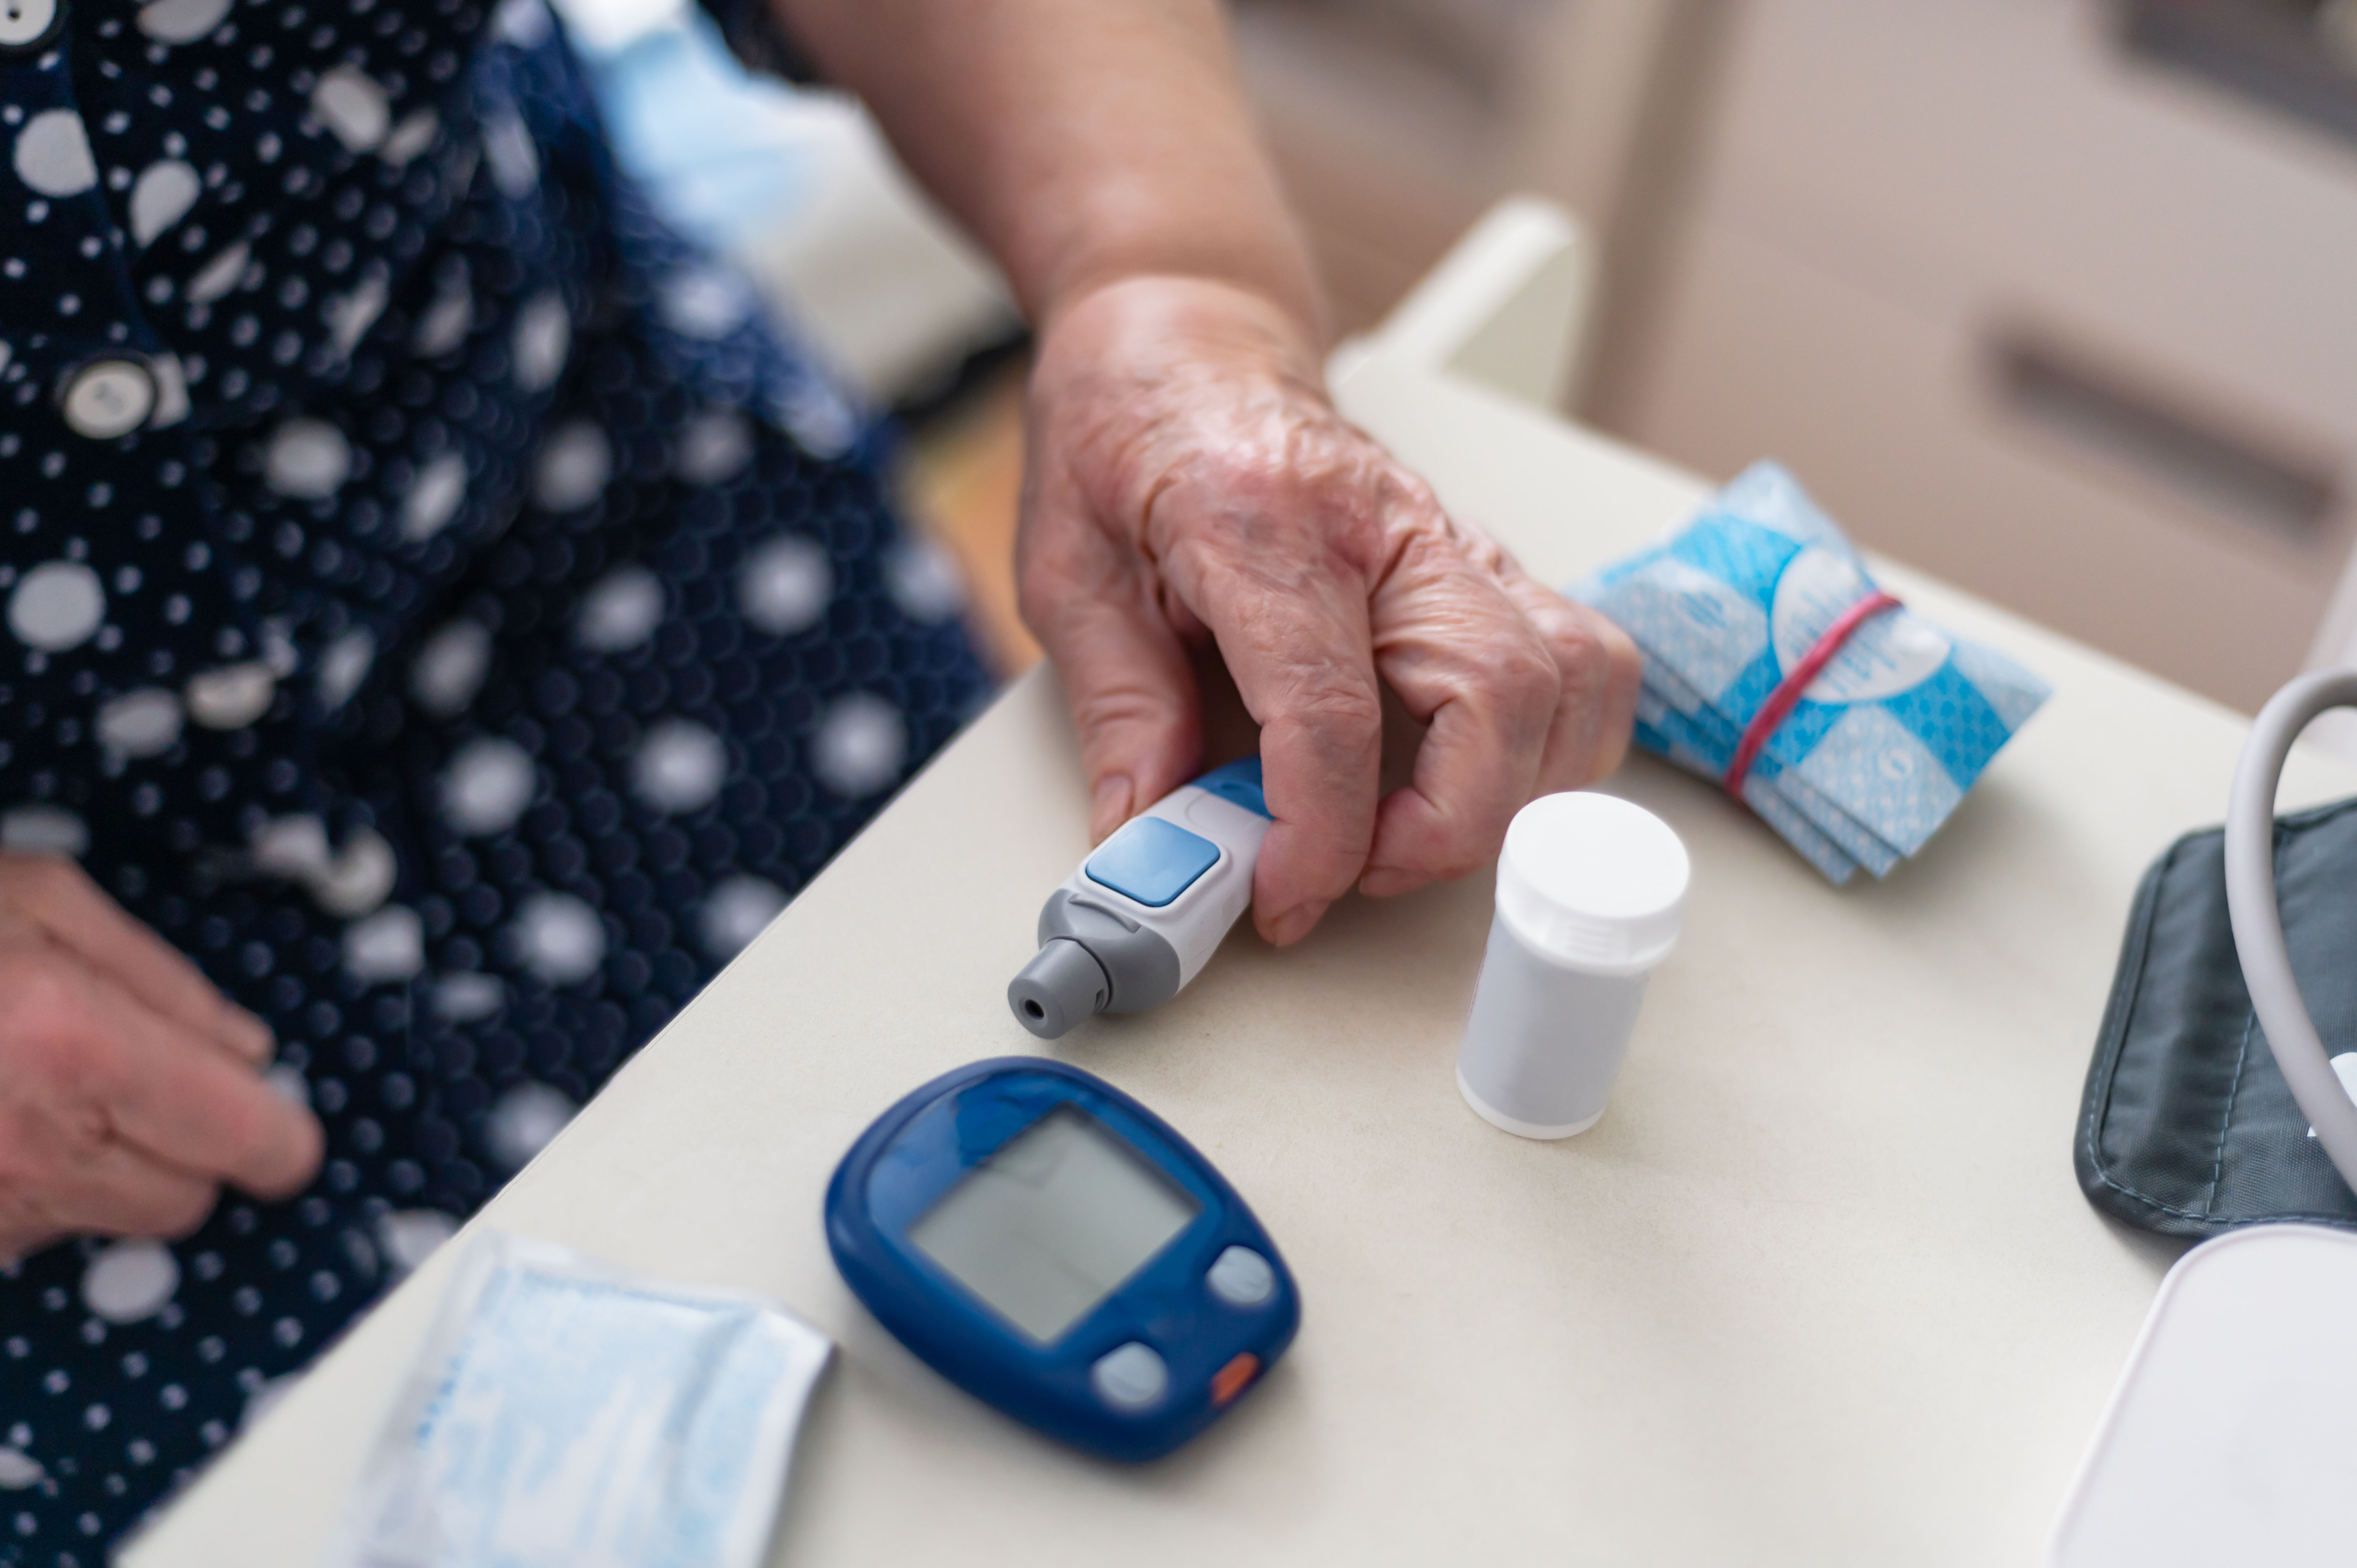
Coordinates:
[2188,1128]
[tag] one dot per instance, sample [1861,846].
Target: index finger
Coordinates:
[57,896]
[194,1108]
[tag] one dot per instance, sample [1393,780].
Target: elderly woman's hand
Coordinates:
[1187,477]
[129,1087]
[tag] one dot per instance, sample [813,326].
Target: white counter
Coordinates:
[1820,1288]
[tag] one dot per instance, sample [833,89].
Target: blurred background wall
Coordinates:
[2056,298]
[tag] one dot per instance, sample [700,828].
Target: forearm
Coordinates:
[1081,141]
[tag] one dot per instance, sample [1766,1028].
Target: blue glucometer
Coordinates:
[1056,1250]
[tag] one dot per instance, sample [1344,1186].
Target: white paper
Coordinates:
[565,1412]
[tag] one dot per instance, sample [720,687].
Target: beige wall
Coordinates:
[2069,328]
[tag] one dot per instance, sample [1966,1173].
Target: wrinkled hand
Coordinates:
[1188,478]
[129,1087]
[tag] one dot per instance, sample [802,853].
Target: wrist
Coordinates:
[1274,282]
[1187,318]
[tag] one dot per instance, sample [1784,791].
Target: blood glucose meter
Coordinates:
[1056,1250]
[1142,914]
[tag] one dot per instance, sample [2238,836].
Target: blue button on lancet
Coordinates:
[1239,784]
[1152,861]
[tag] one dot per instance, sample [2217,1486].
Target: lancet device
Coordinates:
[1139,918]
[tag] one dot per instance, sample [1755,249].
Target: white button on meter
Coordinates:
[23,22]
[1241,1277]
[1130,1376]
[108,398]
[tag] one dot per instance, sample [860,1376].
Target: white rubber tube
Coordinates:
[2258,927]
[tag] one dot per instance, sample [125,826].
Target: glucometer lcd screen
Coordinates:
[1053,1222]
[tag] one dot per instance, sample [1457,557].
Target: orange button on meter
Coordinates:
[1230,1380]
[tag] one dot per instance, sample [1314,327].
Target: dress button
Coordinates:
[27,23]
[1130,1376]
[107,398]
[1241,1277]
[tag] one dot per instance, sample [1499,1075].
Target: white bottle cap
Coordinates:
[1593,882]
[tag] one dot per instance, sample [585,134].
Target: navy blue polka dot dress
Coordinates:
[429,597]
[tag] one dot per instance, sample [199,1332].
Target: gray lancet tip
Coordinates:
[1062,985]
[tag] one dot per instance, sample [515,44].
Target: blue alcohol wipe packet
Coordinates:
[1883,733]
[564,1412]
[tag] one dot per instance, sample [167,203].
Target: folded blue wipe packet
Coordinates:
[563,1412]
[1884,740]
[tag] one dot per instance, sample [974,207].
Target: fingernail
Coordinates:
[302,1146]
[1110,807]
[310,1149]
[1295,923]
[248,1035]
[1384,881]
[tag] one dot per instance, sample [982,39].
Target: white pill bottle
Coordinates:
[1590,891]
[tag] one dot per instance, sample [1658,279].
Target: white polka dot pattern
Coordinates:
[525,1120]
[820,419]
[308,459]
[412,1236]
[705,301]
[232,697]
[43,830]
[292,847]
[220,275]
[433,497]
[559,937]
[388,945]
[621,609]
[680,766]
[182,21]
[784,585]
[353,106]
[162,198]
[415,132]
[52,154]
[145,723]
[735,913]
[349,316]
[573,467]
[450,668]
[463,998]
[445,323]
[288,1084]
[359,878]
[343,665]
[56,606]
[543,333]
[488,786]
[508,148]
[130,1279]
[435,602]
[924,580]
[714,446]
[862,742]
[525,23]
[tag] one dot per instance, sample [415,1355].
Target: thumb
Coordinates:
[1130,688]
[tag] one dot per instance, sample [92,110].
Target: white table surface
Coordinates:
[1819,1289]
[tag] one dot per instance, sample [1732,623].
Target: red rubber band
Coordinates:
[1787,695]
